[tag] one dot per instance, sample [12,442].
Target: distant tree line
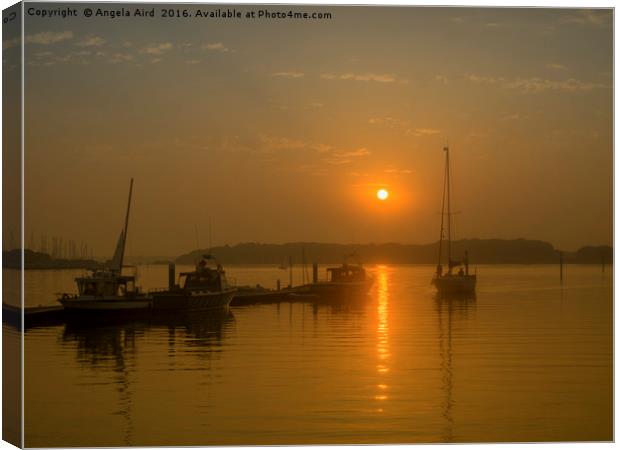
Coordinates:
[481,251]
[40,260]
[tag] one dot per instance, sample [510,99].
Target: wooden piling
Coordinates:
[171,275]
[290,266]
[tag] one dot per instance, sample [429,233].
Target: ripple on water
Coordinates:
[527,360]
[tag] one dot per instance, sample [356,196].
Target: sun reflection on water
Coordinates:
[383,348]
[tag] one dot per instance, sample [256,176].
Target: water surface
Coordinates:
[528,359]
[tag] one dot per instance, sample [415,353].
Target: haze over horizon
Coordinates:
[361,244]
[287,140]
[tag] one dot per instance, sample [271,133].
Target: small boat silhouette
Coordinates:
[107,289]
[451,282]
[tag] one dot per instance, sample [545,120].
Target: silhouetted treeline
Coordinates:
[594,255]
[39,260]
[481,251]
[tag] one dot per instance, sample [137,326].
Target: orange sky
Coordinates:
[283,130]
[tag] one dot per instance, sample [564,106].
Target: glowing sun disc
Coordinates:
[382,194]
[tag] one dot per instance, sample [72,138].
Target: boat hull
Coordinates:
[87,303]
[329,289]
[183,301]
[455,284]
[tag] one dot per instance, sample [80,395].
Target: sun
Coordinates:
[382,194]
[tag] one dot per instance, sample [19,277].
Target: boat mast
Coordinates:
[304,275]
[449,214]
[125,229]
[443,212]
[290,273]
[210,242]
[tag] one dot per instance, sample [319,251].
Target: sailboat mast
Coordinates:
[290,273]
[210,242]
[449,212]
[303,266]
[443,212]
[126,224]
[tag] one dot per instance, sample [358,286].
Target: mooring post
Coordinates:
[278,285]
[171,275]
[561,267]
[290,266]
[466,262]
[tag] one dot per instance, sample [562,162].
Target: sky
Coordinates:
[282,130]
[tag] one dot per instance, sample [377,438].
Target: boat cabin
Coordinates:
[346,272]
[106,283]
[204,278]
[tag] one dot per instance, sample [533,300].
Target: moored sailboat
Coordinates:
[457,279]
[107,289]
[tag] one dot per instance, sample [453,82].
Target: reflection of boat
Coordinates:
[104,340]
[108,289]
[348,280]
[202,326]
[449,309]
[451,282]
[204,288]
[111,346]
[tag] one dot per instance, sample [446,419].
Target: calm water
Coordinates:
[527,360]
